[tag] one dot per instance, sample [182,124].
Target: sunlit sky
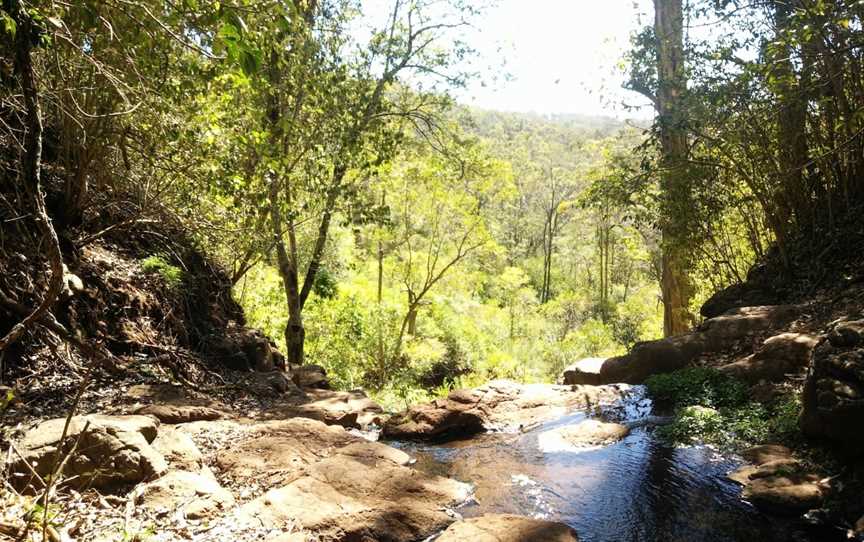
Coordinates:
[561,54]
[547,56]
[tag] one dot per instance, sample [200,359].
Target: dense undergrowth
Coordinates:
[713,408]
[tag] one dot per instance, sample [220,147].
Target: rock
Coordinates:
[715,335]
[310,376]
[173,414]
[507,528]
[113,450]
[178,449]
[653,357]
[245,349]
[584,371]
[500,405]
[833,397]
[341,498]
[780,356]
[739,295]
[352,409]
[195,495]
[330,483]
[847,334]
[777,482]
[785,494]
[173,404]
[591,433]
[273,383]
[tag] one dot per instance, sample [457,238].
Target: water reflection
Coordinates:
[636,490]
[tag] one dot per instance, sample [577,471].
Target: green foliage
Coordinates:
[716,409]
[697,386]
[157,264]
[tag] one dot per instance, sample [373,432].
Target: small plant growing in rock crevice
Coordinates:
[158,265]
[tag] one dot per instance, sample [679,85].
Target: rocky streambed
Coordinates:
[505,462]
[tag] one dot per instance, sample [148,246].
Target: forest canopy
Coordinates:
[406,243]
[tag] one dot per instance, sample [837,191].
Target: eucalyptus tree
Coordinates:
[331,107]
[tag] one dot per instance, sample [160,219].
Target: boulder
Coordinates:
[244,349]
[310,376]
[584,371]
[777,482]
[589,433]
[653,357]
[499,405]
[342,498]
[178,449]
[195,495]
[113,450]
[780,356]
[507,528]
[173,414]
[271,384]
[173,404]
[833,397]
[352,409]
[714,335]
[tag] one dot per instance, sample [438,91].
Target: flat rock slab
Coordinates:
[587,433]
[112,450]
[173,404]
[351,409]
[500,405]
[780,356]
[507,528]
[195,495]
[344,499]
[714,335]
[777,482]
[584,371]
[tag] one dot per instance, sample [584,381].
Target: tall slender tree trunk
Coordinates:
[675,281]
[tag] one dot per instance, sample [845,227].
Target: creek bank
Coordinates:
[507,528]
[500,405]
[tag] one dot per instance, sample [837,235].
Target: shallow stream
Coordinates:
[638,489]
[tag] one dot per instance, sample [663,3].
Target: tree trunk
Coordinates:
[32,170]
[791,119]
[675,281]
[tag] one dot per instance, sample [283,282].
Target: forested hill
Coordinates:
[232,231]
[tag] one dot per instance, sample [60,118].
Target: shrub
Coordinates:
[696,386]
[158,265]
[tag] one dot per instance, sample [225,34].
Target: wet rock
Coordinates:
[310,376]
[715,335]
[780,356]
[777,482]
[833,398]
[584,371]
[507,528]
[592,433]
[500,405]
[113,450]
[196,495]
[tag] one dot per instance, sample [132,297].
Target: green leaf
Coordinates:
[8,23]
[250,61]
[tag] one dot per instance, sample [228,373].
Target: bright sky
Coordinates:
[562,56]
